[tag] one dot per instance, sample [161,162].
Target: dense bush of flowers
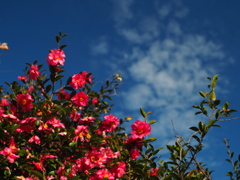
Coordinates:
[55,130]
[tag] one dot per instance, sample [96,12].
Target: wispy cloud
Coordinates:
[167,66]
[101,47]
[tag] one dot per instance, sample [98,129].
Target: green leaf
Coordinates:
[196,106]
[144,114]
[194,128]
[72,144]
[217,102]
[214,81]
[196,138]
[212,96]
[202,94]
[37,173]
[152,122]
[225,106]
[48,88]
[211,123]
[62,46]
[57,39]
[199,112]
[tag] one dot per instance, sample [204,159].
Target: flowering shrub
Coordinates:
[54,131]
[66,132]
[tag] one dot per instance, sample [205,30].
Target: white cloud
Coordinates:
[164,11]
[100,48]
[174,28]
[167,66]
[122,10]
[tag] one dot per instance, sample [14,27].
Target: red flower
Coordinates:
[64,95]
[109,124]
[140,129]
[102,174]
[79,80]
[56,57]
[82,133]
[154,172]
[25,101]
[33,72]
[10,151]
[34,139]
[80,99]
[134,154]
[4,102]
[22,78]
[119,170]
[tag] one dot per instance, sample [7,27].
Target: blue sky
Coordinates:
[163,49]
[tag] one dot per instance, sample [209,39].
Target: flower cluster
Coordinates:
[60,134]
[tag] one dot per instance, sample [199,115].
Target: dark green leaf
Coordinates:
[202,94]
[48,88]
[144,114]
[194,128]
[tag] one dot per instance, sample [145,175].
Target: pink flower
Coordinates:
[102,174]
[79,80]
[64,95]
[25,101]
[22,78]
[86,120]
[33,72]
[119,170]
[56,123]
[30,89]
[94,100]
[75,116]
[109,124]
[154,172]
[134,154]
[140,129]
[56,57]
[1,112]
[82,133]
[80,99]
[84,165]
[97,158]
[10,151]
[87,76]
[34,139]
[4,102]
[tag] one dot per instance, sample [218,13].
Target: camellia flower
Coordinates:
[109,124]
[33,72]
[82,133]
[64,95]
[94,100]
[56,57]
[4,102]
[140,129]
[79,80]
[97,158]
[56,123]
[119,170]
[134,154]
[10,151]
[75,116]
[25,101]
[34,139]
[102,174]
[80,99]
[154,172]
[22,78]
